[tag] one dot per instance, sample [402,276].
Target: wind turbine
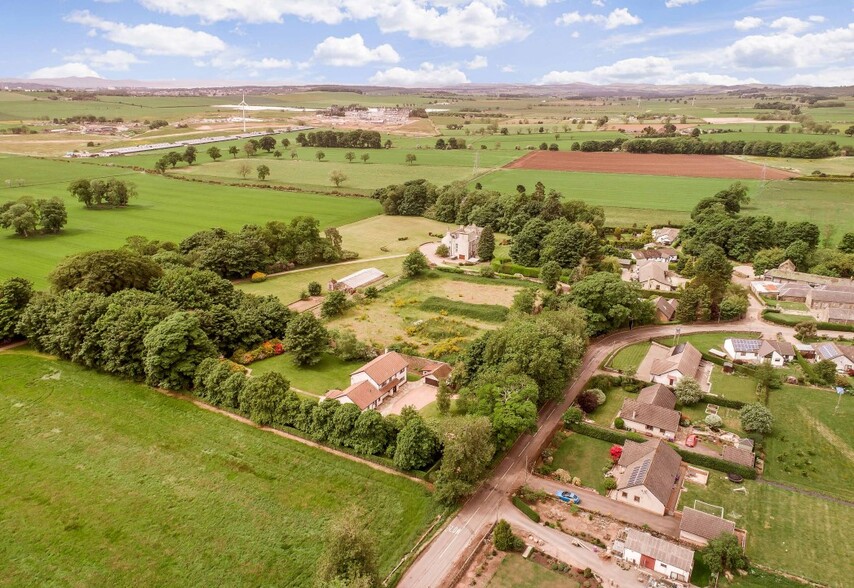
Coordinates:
[243,106]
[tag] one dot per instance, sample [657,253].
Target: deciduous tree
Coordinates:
[173,350]
[306,338]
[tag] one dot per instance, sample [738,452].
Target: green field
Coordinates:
[165,209]
[107,482]
[584,457]
[786,530]
[330,372]
[812,440]
[514,571]
[628,199]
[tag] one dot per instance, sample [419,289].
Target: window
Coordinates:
[637,498]
[649,427]
[625,494]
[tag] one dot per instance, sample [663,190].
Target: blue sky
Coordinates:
[433,42]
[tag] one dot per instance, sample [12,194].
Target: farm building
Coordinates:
[765,289]
[665,308]
[777,353]
[662,254]
[354,281]
[431,370]
[648,475]
[785,274]
[699,527]
[669,559]
[683,362]
[463,242]
[665,235]
[652,413]
[841,355]
[374,382]
[840,316]
[653,275]
[831,297]
[793,292]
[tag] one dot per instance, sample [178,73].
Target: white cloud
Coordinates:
[651,70]
[352,52]
[68,70]
[425,76]
[250,65]
[476,24]
[477,62]
[788,51]
[747,23]
[575,34]
[539,3]
[816,18]
[617,18]
[114,59]
[680,3]
[843,76]
[790,24]
[508,69]
[253,11]
[153,39]
[599,3]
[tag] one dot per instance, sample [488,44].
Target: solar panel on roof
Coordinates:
[746,345]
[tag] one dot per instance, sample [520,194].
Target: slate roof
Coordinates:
[784,348]
[650,414]
[652,464]
[666,306]
[659,395]
[685,358]
[746,345]
[840,314]
[653,270]
[655,253]
[660,550]
[842,296]
[827,350]
[703,524]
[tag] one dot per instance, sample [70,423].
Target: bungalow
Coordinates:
[665,235]
[653,275]
[648,475]
[841,355]
[665,308]
[462,243]
[663,254]
[673,561]
[777,353]
[652,413]
[699,527]
[374,382]
[683,362]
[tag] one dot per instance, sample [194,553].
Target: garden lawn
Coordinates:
[329,373]
[605,414]
[166,209]
[629,358]
[515,571]
[706,341]
[584,457]
[786,530]
[107,482]
[733,386]
[811,445]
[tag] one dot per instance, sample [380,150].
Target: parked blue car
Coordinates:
[567,496]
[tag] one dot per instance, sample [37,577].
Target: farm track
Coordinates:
[805,492]
[650,164]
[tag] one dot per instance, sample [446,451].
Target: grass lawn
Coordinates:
[386,235]
[330,372]
[584,457]
[107,482]
[515,571]
[605,414]
[166,209]
[786,305]
[788,319]
[630,357]
[288,287]
[697,414]
[734,386]
[706,341]
[811,445]
[786,530]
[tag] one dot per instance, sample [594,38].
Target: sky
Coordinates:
[432,42]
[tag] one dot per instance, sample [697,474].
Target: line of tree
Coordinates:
[28,217]
[694,146]
[98,193]
[358,139]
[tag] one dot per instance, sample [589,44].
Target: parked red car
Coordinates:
[691,441]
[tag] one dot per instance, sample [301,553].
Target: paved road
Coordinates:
[437,562]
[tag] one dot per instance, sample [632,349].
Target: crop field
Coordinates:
[811,445]
[786,530]
[627,199]
[107,482]
[693,166]
[165,209]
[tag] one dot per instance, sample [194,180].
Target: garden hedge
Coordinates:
[727,402]
[529,512]
[608,435]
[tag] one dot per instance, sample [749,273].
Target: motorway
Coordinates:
[449,549]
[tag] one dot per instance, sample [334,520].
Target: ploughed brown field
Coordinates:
[652,164]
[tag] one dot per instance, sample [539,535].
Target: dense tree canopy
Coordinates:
[105,272]
[173,350]
[610,303]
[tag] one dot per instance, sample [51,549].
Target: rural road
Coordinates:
[450,547]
